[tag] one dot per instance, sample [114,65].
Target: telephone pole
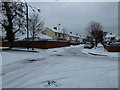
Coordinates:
[27,22]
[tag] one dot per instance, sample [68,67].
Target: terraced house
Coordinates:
[60,35]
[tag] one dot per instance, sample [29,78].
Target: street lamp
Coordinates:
[27,22]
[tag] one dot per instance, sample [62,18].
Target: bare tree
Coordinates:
[12,15]
[95,30]
[36,24]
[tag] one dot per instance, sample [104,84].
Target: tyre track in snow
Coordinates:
[39,68]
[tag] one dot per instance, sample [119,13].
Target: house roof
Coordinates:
[41,36]
[60,31]
[110,35]
[74,35]
[51,30]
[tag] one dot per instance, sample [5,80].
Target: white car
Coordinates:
[88,45]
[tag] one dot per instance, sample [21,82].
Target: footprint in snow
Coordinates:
[51,83]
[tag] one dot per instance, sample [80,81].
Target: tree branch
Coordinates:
[16,31]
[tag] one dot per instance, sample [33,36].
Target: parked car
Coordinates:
[88,45]
[115,44]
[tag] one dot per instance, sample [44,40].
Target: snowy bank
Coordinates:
[4,48]
[100,51]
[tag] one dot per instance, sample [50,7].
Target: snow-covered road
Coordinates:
[66,67]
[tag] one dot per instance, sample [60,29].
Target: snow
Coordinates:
[118,37]
[109,35]
[40,35]
[100,51]
[100,45]
[66,67]
[21,37]
[3,34]
[74,35]
[4,48]
[56,31]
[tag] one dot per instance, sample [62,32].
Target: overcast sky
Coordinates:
[75,16]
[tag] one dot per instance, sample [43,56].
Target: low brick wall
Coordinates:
[112,48]
[36,44]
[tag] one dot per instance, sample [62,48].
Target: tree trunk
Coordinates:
[9,27]
[95,42]
[10,35]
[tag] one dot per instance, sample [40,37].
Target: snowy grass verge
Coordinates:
[100,52]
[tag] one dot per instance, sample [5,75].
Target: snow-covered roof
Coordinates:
[60,31]
[74,35]
[52,30]
[110,35]
[56,30]
[82,37]
[41,36]
[23,36]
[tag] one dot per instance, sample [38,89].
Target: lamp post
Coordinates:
[30,21]
[27,22]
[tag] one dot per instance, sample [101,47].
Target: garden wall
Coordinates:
[36,44]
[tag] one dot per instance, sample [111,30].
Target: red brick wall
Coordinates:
[112,49]
[36,44]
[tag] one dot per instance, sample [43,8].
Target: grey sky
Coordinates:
[75,16]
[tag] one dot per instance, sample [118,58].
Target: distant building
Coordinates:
[109,37]
[104,34]
[82,39]
[118,38]
[51,33]
[60,35]
[74,38]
